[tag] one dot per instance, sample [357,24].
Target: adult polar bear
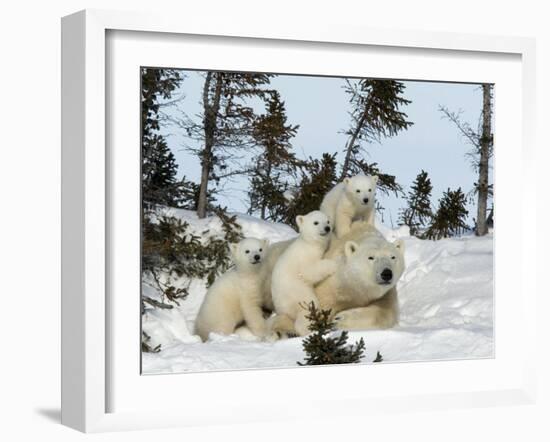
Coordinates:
[362,292]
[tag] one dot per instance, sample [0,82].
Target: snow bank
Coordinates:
[445,296]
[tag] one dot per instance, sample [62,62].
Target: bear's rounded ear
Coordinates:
[299,220]
[265,243]
[346,180]
[350,248]
[400,245]
[375,179]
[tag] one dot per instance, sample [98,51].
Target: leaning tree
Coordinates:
[375,114]
[159,168]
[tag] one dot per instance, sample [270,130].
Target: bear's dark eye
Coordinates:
[316,222]
[371,257]
[370,190]
[260,250]
[358,191]
[393,257]
[247,251]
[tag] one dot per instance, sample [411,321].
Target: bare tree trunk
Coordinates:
[351,143]
[268,174]
[262,214]
[484,154]
[211,110]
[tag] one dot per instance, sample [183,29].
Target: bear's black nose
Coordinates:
[365,200]
[257,257]
[386,274]
[327,229]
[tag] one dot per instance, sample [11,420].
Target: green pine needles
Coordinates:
[418,212]
[450,218]
[323,348]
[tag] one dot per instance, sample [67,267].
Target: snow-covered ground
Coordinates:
[445,296]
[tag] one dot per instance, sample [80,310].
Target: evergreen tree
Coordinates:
[170,251]
[226,126]
[274,164]
[418,211]
[322,349]
[169,248]
[159,168]
[317,177]
[450,218]
[375,115]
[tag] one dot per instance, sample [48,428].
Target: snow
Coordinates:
[445,297]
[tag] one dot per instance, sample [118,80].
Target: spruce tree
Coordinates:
[418,210]
[159,169]
[321,348]
[170,251]
[275,164]
[375,115]
[450,218]
[317,177]
[224,128]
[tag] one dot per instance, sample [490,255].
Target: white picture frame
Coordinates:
[87,357]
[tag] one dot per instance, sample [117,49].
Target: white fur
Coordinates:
[362,293]
[353,293]
[298,269]
[235,297]
[353,199]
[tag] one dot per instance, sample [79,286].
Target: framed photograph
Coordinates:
[243,203]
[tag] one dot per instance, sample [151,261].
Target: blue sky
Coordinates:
[320,106]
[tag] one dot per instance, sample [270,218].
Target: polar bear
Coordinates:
[353,199]
[236,296]
[362,293]
[299,267]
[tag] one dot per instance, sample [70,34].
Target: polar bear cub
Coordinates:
[353,199]
[235,296]
[298,269]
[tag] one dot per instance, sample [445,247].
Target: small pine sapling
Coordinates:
[418,212]
[450,218]
[323,349]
